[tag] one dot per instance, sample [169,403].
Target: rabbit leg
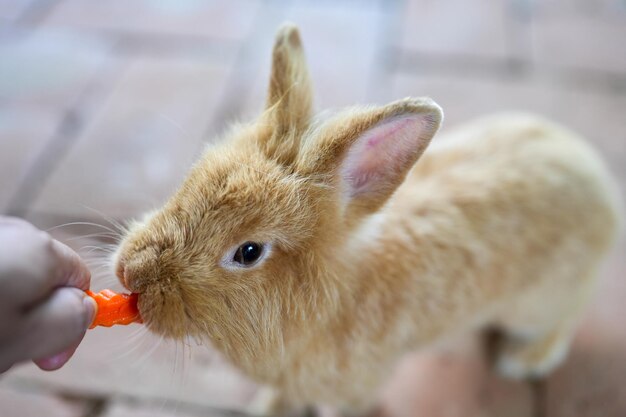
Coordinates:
[538,329]
[267,402]
[535,357]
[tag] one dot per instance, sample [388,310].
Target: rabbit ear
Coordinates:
[289,96]
[371,151]
[289,100]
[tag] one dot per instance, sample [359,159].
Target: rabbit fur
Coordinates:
[368,254]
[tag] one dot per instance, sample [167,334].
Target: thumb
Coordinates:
[56,326]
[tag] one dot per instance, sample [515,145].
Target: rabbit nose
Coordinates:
[137,271]
[119,272]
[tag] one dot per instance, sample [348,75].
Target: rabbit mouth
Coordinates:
[163,314]
[166,312]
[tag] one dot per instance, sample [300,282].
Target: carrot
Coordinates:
[114,308]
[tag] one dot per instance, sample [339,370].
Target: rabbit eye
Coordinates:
[248,253]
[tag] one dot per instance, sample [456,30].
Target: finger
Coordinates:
[55,325]
[32,264]
[71,271]
[14,221]
[52,363]
[24,261]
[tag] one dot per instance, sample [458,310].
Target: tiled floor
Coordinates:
[104,105]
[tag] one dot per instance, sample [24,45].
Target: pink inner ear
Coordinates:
[381,156]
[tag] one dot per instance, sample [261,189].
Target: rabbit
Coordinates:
[314,251]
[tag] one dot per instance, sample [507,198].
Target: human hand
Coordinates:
[44,312]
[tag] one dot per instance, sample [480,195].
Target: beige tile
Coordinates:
[340,42]
[11,10]
[219,19]
[137,148]
[579,35]
[471,28]
[25,131]
[16,403]
[592,8]
[48,68]
[42,76]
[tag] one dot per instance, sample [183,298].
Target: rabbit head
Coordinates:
[252,246]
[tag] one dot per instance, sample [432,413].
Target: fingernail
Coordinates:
[90,307]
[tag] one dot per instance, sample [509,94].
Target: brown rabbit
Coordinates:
[314,253]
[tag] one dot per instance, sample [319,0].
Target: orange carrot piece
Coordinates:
[115,308]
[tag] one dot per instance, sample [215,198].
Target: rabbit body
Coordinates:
[364,253]
[502,222]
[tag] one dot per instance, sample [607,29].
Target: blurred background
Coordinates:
[105,104]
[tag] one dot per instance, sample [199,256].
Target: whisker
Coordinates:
[101,234]
[173,122]
[132,344]
[101,274]
[119,226]
[96,261]
[80,224]
[103,270]
[100,248]
[101,251]
[139,331]
[143,361]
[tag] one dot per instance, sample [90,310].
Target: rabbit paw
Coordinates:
[266,402]
[532,358]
